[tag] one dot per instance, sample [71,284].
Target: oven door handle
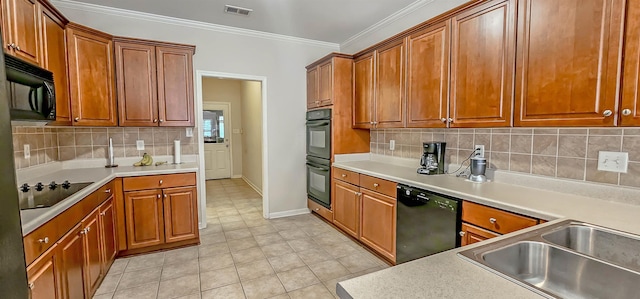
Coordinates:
[317,167]
[314,125]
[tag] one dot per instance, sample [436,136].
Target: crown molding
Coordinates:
[87,7]
[386,21]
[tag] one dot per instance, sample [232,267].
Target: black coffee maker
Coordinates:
[432,160]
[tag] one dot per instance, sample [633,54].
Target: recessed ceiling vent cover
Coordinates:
[237,10]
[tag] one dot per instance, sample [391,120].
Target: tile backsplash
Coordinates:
[570,153]
[51,144]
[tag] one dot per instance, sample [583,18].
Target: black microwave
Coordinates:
[31,91]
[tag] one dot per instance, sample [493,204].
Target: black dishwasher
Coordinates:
[427,223]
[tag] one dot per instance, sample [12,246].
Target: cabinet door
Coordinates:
[325,83]
[92,252]
[23,24]
[378,223]
[136,84]
[71,264]
[108,234]
[180,214]
[568,62]
[144,218]
[55,60]
[482,62]
[312,88]
[389,92]
[43,276]
[428,77]
[472,234]
[175,86]
[630,104]
[93,101]
[363,101]
[346,207]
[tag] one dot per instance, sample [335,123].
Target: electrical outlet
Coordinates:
[613,161]
[392,145]
[479,150]
[140,145]
[189,132]
[27,151]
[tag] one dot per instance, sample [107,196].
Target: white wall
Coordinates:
[252,135]
[228,91]
[282,62]
[381,32]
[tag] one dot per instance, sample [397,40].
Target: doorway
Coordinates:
[216,127]
[235,145]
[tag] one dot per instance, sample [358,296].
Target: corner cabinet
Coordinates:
[91,77]
[568,61]
[21,29]
[154,83]
[160,212]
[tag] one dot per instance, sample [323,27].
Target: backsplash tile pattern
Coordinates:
[570,153]
[51,144]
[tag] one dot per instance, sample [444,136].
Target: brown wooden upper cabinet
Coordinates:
[630,103]
[155,83]
[482,61]
[428,76]
[379,87]
[568,58]
[91,78]
[21,29]
[54,53]
[320,80]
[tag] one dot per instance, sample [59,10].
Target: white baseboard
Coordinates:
[289,213]
[244,178]
[236,176]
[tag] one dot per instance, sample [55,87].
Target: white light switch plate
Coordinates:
[140,145]
[189,132]
[613,161]
[392,145]
[27,151]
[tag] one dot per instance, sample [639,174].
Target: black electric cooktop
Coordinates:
[44,196]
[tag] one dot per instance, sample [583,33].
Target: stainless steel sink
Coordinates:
[612,246]
[552,262]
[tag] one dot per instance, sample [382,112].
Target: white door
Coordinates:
[216,141]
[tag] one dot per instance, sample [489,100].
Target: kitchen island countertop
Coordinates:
[446,275]
[34,218]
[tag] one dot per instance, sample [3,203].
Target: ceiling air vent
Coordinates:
[237,10]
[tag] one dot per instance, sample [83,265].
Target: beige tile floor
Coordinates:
[242,255]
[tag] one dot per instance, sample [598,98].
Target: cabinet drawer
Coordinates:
[322,211]
[159,181]
[105,192]
[493,219]
[41,239]
[379,185]
[347,176]
[471,234]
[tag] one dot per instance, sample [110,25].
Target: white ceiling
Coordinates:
[323,20]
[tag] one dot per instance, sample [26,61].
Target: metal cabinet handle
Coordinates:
[316,209]
[155,120]
[161,182]
[44,241]
[77,119]
[462,233]
[83,232]
[444,120]
[89,229]
[31,286]
[17,47]
[493,220]
[607,113]
[626,112]
[158,196]
[165,196]
[107,191]
[376,185]
[358,193]
[450,120]
[344,175]
[161,120]
[103,214]
[11,46]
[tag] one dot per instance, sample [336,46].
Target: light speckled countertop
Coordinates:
[32,219]
[445,275]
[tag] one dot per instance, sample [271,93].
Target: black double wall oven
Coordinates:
[319,156]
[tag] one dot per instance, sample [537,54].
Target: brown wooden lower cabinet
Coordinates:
[378,223]
[43,276]
[160,217]
[346,207]
[472,234]
[108,230]
[71,257]
[92,252]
